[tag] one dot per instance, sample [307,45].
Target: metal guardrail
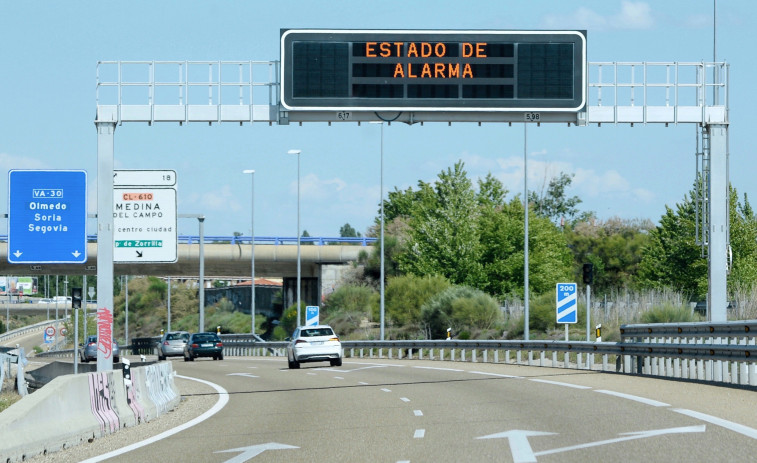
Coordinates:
[746,329]
[26,329]
[731,359]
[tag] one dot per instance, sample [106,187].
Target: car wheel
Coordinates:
[294,364]
[186,359]
[336,362]
[116,359]
[161,357]
[220,356]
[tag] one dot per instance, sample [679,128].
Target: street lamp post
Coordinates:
[252,242]
[381,235]
[299,271]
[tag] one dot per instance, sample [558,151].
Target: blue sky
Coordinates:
[47,105]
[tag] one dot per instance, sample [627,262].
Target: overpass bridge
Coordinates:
[223,256]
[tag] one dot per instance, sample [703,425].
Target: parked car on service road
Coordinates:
[172,344]
[316,343]
[89,350]
[203,345]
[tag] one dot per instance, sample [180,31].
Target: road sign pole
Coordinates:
[588,313]
[105,135]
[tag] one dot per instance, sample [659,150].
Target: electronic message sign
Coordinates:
[433,70]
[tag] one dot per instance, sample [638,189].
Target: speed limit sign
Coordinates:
[50,331]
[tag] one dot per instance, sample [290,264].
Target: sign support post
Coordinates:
[105,135]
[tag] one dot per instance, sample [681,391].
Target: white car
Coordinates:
[316,343]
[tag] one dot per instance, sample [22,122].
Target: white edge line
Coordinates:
[223,399]
[494,374]
[437,368]
[651,402]
[557,383]
[730,425]
[404,399]
[419,434]
[417,413]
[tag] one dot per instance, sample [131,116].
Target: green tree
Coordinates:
[554,203]
[502,235]
[674,260]
[443,231]
[615,247]
[346,231]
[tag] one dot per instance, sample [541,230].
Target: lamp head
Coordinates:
[248,171]
[294,151]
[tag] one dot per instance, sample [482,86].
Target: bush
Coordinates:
[668,313]
[350,298]
[405,295]
[465,310]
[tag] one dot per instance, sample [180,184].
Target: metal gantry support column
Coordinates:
[105,136]
[719,204]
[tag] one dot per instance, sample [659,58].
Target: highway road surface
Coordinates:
[257,410]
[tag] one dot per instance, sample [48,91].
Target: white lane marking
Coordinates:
[311,374]
[419,434]
[242,374]
[378,364]
[730,425]
[404,461]
[338,377]
[520,448]
[643,400]
[363,383]
[438,368]
[495,374]
[628,436]
[253,367]
[223,399]
[557,383]
[417,413]
[248,453]
[386,390]
[404,399]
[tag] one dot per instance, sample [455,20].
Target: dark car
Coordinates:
[172,344]
[203,345]
[89,350]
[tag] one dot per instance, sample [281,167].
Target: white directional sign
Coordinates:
[144,216]
[567,307]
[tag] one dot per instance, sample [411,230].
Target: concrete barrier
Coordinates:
[73,409]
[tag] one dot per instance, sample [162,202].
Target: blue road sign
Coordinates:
[312,315]
[47,216]
[567,307]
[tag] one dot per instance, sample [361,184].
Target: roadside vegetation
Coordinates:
[453,259]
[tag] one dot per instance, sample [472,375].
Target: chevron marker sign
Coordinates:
[567,307]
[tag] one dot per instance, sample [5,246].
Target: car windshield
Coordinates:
[313,332]
[174,337]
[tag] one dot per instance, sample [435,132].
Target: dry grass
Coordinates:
[9,397]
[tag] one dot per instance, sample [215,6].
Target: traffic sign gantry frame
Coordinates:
[47,216]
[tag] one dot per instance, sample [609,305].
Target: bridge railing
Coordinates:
[274,240]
